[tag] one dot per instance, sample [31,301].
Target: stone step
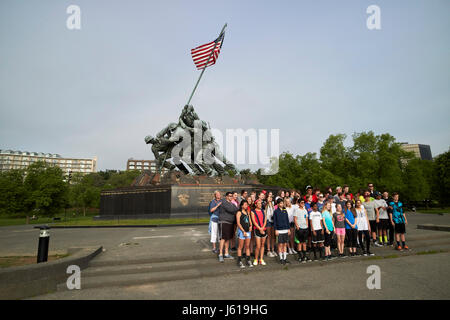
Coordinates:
[99,262]
[94,271]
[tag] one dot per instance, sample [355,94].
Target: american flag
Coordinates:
[201,54]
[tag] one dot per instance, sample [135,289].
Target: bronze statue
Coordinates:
[185,134]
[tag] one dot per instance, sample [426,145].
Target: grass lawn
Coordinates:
[88,220]
[433,210]
[15,261]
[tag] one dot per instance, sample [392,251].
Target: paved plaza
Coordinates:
[177,263]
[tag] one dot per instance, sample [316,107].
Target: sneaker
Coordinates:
[255,262]
[269,254]
[370,253]
[249,263]
[274,254]
[293,251]
[283,262]
[406,247]
[261,262]
[303,260]
[216,251]
[399,248]
[241,265]
[365,254]
[307,259]
[378,244]
[220,258]
[227,256]
[289,251]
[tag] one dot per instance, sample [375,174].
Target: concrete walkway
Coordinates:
[176,263]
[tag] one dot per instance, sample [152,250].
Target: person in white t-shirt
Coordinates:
[362,222]
[316,225]
[301,230]
[383,218]
[290,210]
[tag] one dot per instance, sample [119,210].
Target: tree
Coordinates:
[45,188]
[441,178]
[12,192]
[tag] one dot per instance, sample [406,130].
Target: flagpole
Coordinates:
[210,55]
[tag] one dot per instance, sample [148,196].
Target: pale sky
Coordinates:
[309,68]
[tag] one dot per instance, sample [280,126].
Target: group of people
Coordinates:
[308,226]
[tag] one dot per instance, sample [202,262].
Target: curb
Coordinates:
[433,227]
[134,226]
[36,279]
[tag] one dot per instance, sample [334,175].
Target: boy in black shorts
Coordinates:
[301,231]
[282,230]
[316,220]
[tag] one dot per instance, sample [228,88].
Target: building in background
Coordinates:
[10,159]
[143,165]
[421,151]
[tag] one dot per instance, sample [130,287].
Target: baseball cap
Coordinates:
[308,187]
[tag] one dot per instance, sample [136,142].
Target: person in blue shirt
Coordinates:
[398,221]
[213,211]
[282,229]
[329,229]
[351,229]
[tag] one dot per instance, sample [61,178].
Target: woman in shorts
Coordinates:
[244,225]
[259,222]
[339,223]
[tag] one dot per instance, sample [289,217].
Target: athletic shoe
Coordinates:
[406,247]
[399,248]
[215,251]
[241,265]
[255,262]
[307,259]
[262,262]
[220,258]
[365,254]
[274,254]
[269,254]
[283,262]
[289,251]
[371,254]
[249,263]
[293,251]
[227,256]
[378,245]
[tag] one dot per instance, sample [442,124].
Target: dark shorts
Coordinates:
[383,224]
[373,225]
[328,238]
[259,235]
[269,224]
[301,235]
[283,238]
[226,231]
[318,238]
[352,236]
[400,228]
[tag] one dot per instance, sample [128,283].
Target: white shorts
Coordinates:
[214,232]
